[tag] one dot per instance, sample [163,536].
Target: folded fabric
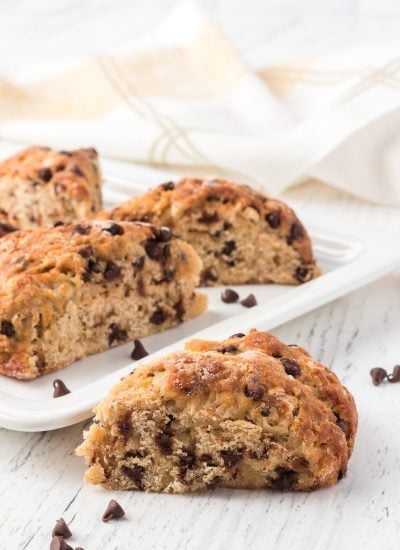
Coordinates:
[182,97]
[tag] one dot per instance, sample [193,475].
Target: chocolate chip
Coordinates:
[250,301]
[285,479]
[168,275]
[228,248]
[265,410]
[301,273]
[45,174]
[60,388]
[228,349]
[156,251]
[113,229]
[113,511]
[238,335]
[125,427]
[231,458]
[296,232]
[208,275]
[112,271]
[158,317]
[164,442]
[187,461]
[229,296]
[273,219]
[91,267]
[40,363]
[135,473]
[254,391]
[61,529]
[208,218]
[291,367]
[164,234]
[395,376]
[168,186]
[138,351]
[342,424]
[116,334]
[74,168]
[341,474]
[378,375]
[58,543]
[139,263]
[208,459]
[5,228]
[82,229]
[66,153]
[58,223]
[86,251]
[7,328]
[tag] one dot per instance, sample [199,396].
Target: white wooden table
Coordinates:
[41,479]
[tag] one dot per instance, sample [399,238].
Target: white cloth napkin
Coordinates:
[182,97]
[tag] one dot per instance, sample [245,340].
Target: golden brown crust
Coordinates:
[222,208]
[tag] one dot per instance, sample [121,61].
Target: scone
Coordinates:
[70,291]
[40,186]
[241,236]
[247,412]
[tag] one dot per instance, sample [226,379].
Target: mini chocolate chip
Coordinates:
[301,273]
[214,482]
[167,186]
[231,458]
[228,349]
[296,232]
[91,267]
[6,228]
[187,461]
[285,480]
[7,328]
[113,511]
[208,275]
[59,167]
[207,218]
[341,474]
[124,427]
[112,271]
[58,543]
[228,248]
[156,250]
[86,251]
[395,376]
[342,424]
[291,367]
[265,410]
[135,473]
[116,334]
[138,351]
[229,296]
[273,219]
[250,301]
[82,229]
[164,234]
[238,335]
[378,375]
[60,388]
[164,442]
[74,168]
[254,391]
[113,229]
[58,223]
[158,317]
[66,153]
[61,529]
[179,310]
[139,263]
[45,174]
[40,363]
[208,459]
[168,275]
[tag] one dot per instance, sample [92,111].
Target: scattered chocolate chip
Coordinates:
[164,234]
[116,334]
[74,168]
[139,263]
[208,275]
[66,153]
[208,459]
[45,174]
[61,529]
[250,301]
[378,375]
[238,335]
[291,367]
[82,229]
[58,543]
[86,251]
[125,426]
[59,167]
[158,317]
[7,328]
[156,250]
[301,273]
[60,389]
[228,349]
[273,219]
[113,511]
[296,232]
[5,228]
[342,424]
[58,223]
[112,271]
[229,296]
[208,218]
[228,248]
[265,410]
[91,267]
[285,480]
[164,442]
[168,275]
[187,461]
[395,375]
[40,363]
[138,351]
[167,186]
[231,458]
[341,474]
[113,229]
[254,391]
[180,310]
[135,473]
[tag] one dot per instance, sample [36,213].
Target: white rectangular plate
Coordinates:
[349,260]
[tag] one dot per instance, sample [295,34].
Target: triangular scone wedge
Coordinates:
[241,236]
[229,414]
[40,186]
[74,290]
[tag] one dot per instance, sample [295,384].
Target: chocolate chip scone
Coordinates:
[70,291]
[241,236]
[40,186]
[247,412]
